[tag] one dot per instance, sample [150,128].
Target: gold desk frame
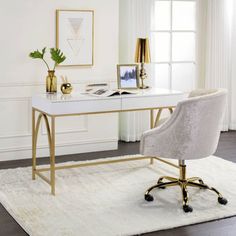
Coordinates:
[51,142]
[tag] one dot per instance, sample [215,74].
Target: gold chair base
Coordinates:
[183,182]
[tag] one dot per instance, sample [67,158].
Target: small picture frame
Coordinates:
[127,76]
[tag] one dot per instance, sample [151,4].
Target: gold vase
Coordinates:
[51,82]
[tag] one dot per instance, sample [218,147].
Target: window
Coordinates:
[173,37]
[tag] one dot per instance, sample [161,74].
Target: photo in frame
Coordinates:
[75,36]
[127,76]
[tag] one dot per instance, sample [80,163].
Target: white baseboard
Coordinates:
[61,149]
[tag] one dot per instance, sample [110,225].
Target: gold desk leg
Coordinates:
[151,126]
[52,156]
[151,160]
[51,143]
[35,131]
[170,110]
[33,145]
[152,118]
[158,117]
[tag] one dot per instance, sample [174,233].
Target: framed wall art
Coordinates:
[127,76]
[75,36]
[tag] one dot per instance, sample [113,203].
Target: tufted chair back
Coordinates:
[193,129]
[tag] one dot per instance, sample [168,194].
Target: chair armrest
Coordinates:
[153,142]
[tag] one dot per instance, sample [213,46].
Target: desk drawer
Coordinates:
[132,103]
[88,106]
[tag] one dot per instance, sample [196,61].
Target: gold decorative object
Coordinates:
[51,82]
[66,87]
[142,55]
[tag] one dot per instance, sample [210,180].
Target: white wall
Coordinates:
[27,25]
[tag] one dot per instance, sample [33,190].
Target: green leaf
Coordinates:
[44,50]
[37,54]
[57,56]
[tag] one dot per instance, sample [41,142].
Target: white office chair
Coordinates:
[192,132]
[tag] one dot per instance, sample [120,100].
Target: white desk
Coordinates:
[52,106]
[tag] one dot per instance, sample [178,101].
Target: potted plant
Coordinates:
[58,57]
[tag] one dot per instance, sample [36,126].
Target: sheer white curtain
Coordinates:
[135,22]
[233,71]
[220,52]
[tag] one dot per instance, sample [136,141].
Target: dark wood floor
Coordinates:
[224,227]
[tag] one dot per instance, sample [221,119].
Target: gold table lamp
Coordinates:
[142,55]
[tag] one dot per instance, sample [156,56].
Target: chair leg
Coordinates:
[160,180]
[193,179]
[221,199]
[186,207]
[167,178]
[148,197]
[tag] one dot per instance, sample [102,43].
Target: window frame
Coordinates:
[171,62]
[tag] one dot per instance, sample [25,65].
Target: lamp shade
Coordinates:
[142,54]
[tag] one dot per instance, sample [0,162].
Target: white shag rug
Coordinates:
[108,199]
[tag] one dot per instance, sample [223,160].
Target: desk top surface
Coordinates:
[74,97]
[58,104]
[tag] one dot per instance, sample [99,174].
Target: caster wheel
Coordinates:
[187,208]
[201,182]
[161,187]
[222,201]
[148,197]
